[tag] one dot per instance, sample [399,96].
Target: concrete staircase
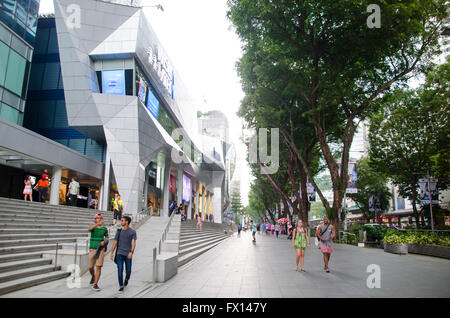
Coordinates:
[194,242]
[28,230]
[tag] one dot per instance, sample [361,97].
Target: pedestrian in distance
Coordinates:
[277,229]
[198,226]
[28,190]
[239,228]
[258,228]
[263,228]
[211,218]
[326,234]
[117,208]
[268,228]
[253,226]
[74,191]
[124,245]
[300,239]
[42,187]
[98,234]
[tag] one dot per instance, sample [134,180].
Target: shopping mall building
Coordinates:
[90,93]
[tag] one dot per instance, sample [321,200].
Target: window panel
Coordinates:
[15,73]
[60,115]
[52,42]
[4,51]
[51,76]
[10,5]
[9,113]
[21,13]
[37,70]
[77,144]
[45,109]
[94,150]
[40,47]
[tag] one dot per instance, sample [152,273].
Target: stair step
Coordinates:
[183,251]
[49,210]
[195,238]
[18,236]
[31,281]
[29,248]
[20,256]
[26,272]
[199,242]
[40,226]
[42,221]
[184,259]
[15,265]
[27,242]
[10,231]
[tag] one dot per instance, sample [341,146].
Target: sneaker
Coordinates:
[121,289]
[92,281]
[95,287]
[126,282]
[327,270]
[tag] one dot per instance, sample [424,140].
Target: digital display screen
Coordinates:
[187,189]
[153,104]
[113,82]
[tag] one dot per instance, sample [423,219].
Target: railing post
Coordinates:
[56,255]
[154,265]
[75,262]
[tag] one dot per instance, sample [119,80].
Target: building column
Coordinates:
[165,194]
[55,185]
[106,181]
[145,194]
[179,186]
[197,198]
[204,210]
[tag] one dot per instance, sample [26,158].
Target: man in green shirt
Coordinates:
[98,233]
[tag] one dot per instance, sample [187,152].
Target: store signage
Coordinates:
[160,63]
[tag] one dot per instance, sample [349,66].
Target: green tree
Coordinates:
[332,64]
[410,135]
[370,182]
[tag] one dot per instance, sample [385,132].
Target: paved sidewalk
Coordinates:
[237,268]
[148,235]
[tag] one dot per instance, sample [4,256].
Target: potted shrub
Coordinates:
[396,244]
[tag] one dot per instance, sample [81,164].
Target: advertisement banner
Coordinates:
[374,203]
[153,104]
[113,82]
[352,176]
[187,189]
[142,91]
[428,187]
[311,193]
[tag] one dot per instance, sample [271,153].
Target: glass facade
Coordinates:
[21,17]
[46,108]
[15,57]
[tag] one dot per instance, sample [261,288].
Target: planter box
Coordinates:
[360,244]
[396,248]
[430,250]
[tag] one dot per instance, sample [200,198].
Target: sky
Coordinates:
[203,47]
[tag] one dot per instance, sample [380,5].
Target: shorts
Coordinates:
[117,215]
[96,262]
[326,248]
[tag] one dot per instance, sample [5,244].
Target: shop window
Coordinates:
[15,73]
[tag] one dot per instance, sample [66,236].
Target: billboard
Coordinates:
[426,187]
[352,175]
[374,203]
[187,189]
[153,104]
[113,82]
[142,90]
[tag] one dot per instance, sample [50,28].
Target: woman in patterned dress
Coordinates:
[28,190]
[300,240]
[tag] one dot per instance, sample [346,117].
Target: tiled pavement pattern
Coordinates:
[237,268]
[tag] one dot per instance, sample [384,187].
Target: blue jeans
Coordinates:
[120,260]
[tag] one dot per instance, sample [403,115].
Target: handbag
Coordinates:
[117,246]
